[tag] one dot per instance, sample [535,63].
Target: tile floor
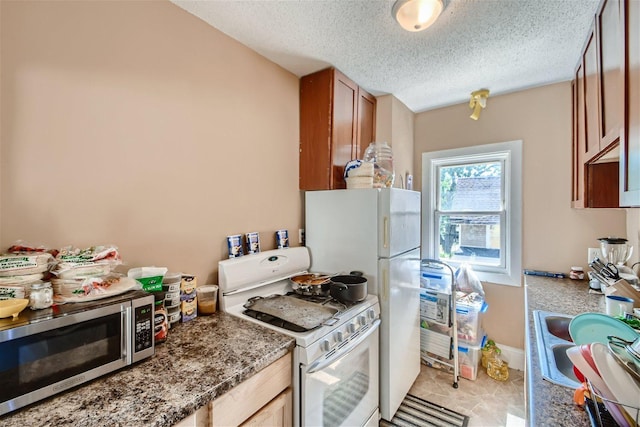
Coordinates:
[486,401]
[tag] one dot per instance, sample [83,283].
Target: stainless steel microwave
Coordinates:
[44,352]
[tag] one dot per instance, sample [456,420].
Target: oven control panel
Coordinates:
[342,334]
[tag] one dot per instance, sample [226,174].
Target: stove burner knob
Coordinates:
[362,320]
[339,336]
[372,314]
[351,327]
[325,345]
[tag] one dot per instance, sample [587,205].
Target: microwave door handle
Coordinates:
[320,365]
[125,325]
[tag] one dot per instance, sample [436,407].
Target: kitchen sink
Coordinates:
[558,326]
[553,340]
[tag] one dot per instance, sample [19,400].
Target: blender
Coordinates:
[617,251]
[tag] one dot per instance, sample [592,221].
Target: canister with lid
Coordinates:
[41,296]
[160,320]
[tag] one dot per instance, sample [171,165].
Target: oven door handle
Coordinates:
[321,364]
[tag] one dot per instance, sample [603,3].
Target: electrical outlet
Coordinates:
[593,253]
[301,236]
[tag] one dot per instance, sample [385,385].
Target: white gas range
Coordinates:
[335,360]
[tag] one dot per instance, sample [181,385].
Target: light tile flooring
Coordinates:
[486,401]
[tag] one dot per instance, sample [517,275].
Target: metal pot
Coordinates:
[311,284]
[349,288]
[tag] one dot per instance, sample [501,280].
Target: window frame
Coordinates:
[511,238]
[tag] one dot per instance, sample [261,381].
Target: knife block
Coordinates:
[624,289]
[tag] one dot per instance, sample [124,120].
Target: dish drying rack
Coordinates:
[598,414]
[439,308]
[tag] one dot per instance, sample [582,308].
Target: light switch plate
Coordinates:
[593,253]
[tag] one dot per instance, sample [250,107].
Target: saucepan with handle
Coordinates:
[349,288]
[311,284]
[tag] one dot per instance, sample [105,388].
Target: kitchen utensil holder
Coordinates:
[599,416]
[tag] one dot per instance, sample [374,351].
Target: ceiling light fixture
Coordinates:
[417,15]
[478,102]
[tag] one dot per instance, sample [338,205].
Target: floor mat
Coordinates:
[416,412]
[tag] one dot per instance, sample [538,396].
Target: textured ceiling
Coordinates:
[501,45]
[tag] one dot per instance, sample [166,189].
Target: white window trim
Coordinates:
[512,275]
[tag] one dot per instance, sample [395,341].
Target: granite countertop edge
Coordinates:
[200,361]
[550,404]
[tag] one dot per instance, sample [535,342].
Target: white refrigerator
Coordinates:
[376,231]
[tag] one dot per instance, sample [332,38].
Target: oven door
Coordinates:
[47,357]
[343,388]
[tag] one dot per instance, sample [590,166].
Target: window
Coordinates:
[472,209]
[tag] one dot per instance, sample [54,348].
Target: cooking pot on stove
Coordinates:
[311,284]
[349,288]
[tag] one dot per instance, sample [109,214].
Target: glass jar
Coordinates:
[380,154]
[40,296]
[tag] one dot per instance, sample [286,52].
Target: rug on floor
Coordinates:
[416,412]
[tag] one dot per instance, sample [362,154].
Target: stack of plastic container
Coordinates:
[436,328]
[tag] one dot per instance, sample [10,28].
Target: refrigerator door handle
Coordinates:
[385,242]
[385,285]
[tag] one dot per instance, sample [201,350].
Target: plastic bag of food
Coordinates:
[28,263]
[467,281]
[92,288]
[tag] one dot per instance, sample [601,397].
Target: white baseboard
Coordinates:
[513,356]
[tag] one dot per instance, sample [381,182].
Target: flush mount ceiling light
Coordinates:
[478,102]
[417,15]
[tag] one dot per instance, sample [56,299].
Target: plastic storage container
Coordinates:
[435,277]
[380,154]
[469,318]
[469,356]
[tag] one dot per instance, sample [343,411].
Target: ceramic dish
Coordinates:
[622,385]
[581,358]
[587,328]
[578,360]
[12,307]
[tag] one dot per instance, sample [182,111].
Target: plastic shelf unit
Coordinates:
[438,323]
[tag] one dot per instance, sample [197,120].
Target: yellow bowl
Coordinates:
[12,307]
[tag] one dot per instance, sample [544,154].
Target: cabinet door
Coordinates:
[592,108]
[366,123]
[277,413]
[630,141]
[345,102]
[611,80]
[579,148]
[315,131]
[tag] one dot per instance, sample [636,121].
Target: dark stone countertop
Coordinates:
[549,404]
[201,360]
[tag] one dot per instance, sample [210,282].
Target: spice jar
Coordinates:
[576,273]
[41,296]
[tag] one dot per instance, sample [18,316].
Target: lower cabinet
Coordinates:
[264,399]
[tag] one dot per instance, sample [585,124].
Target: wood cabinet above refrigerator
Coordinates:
[337,123]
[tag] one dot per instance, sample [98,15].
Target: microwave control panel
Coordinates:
[143,327]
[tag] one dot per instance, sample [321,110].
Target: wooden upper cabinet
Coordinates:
[630,138]
[591,98]
[366,122]
[611,55]
[337,122]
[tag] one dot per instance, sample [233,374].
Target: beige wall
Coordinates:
[394,124]
[555,236]
[135,123]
